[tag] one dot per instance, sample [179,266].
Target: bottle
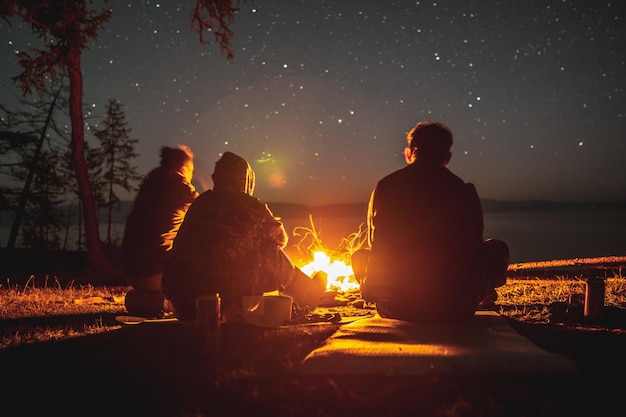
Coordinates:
[208,320]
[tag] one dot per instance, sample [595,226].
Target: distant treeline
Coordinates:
[290,210]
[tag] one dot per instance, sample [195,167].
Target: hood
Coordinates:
[234,173]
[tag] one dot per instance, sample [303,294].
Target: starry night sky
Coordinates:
[321,93]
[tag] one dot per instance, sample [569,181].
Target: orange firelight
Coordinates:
[340,275]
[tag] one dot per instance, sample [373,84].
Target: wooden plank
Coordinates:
[598,262]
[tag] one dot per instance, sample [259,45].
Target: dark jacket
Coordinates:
[425,229]
[156,215]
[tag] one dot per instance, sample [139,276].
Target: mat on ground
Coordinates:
[487,345]
[139,319]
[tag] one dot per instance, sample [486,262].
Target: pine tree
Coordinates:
[65,27]
[43,221]
[32,140]
[114,169]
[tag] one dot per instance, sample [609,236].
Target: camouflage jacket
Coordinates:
[225,245]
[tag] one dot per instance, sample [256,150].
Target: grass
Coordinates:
[52,311]
[32,313]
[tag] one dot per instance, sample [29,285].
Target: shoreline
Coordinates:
[23,265]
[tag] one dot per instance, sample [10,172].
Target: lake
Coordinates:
[532,234]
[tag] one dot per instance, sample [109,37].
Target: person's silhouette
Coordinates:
[426,258]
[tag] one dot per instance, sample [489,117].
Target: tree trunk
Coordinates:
[98,264]
[110,211]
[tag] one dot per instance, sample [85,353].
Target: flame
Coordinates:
[340,275]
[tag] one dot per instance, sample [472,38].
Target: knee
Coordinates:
[359,260]
[496,250]
[144,303]
[184,307]
[360,256]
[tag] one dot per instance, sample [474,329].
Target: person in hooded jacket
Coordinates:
[230,243]
[158,211]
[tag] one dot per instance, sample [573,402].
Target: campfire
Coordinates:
[334,262]
[340,275]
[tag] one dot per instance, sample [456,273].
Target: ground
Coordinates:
[168,370]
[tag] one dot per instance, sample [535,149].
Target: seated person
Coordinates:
[230,243]
[426,258]
[156,215]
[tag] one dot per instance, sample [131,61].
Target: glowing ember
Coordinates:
[340,276]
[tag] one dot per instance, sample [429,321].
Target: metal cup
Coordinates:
[208,312]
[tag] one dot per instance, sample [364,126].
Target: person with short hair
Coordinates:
[426,258]
[156,215]
[231,244]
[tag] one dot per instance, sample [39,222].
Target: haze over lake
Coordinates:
[534,230]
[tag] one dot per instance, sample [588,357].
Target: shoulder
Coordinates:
[467,187]
[164,178]
[462,189]
[205,195]
[157,173]
[398,175]
[471,192]
[228,197]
